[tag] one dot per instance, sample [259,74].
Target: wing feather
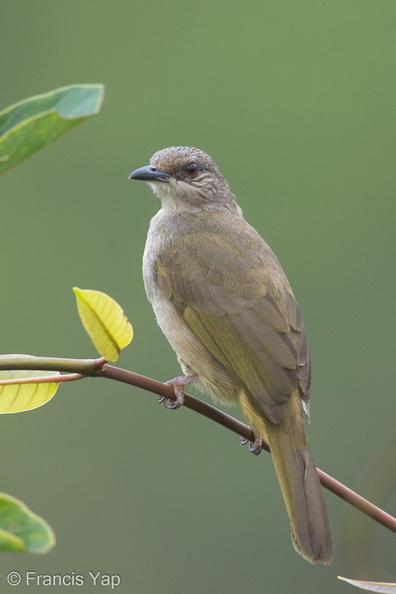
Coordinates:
[240,306]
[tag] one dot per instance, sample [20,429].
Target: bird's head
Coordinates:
[184,177]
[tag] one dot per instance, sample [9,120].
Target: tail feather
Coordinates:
[303,496]
[297,475]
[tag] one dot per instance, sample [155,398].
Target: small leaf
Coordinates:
[104,321]
[31,124]
[21,529]
[372,586]
[21,397]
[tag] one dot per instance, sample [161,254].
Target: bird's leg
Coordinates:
[178,384]
[255,447]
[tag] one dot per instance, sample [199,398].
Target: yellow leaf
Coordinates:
[20,397]
[105,322]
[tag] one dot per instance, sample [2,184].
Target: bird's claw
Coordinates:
[179,393]
[256,446]
[178,384]
[171,404]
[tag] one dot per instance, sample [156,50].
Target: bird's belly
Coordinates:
[193,357]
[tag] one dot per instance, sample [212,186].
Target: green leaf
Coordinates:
[29,125]
[20,397]
[104,321]
[21,529]
[372,586]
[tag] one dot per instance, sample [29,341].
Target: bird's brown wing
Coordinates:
[240,306]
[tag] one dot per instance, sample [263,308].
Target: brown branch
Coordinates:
[245,431]
[99,368]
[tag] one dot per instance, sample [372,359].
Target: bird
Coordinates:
[225,305]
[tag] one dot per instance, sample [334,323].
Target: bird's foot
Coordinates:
[255,447]
[178,384]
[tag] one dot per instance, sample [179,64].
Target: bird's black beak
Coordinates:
[150,173]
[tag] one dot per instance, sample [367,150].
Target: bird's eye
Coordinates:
[191,168]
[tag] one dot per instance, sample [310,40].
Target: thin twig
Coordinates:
[99,368]
[245,431]
[44,379]
[83,366]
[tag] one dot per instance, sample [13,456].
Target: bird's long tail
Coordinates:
[303,495]
[298,478]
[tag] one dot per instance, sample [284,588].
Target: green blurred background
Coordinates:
[296,103]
